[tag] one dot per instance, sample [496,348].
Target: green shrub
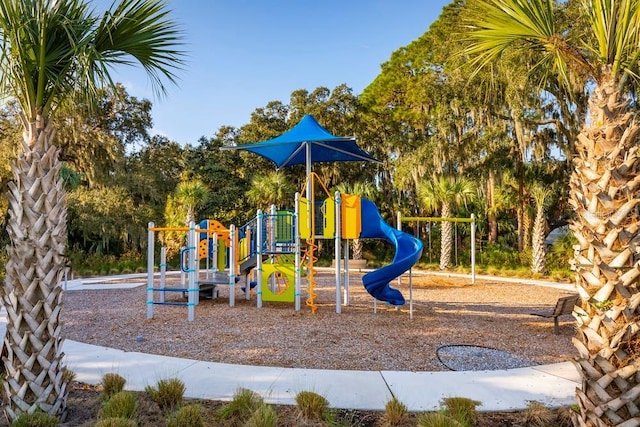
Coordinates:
[243,405]
[116,422]
[89,263]
[312,406]
[500,256]
[461,409]
[121,405]
[187,416]
[264,416]
[36,419]
[437,419]
[167,394]
[112,383]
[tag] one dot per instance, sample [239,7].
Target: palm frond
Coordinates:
[139,31]
[50,49]
[616,24]
[498,26]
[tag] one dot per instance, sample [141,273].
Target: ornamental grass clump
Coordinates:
[461,409]
[395,413]
[112,383]
[437,419]
[36,419]
[187,416]
[264,416]
[538,415]
[242,406]
[168,394]
[311,406]
[123,404]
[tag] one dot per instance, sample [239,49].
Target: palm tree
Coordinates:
[446,194]
[273,188]
[51,50]
[189,195]
[604,181]
[540,195]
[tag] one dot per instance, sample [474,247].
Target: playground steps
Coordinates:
[208,287]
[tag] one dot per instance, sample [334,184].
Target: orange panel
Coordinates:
[351,216]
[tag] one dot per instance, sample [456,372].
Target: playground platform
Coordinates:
[500,390]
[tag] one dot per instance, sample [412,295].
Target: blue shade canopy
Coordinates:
[307,141]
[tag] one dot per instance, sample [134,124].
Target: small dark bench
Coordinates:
[563,306]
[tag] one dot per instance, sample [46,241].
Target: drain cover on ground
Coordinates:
[477,358]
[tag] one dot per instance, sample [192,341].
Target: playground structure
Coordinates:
[271,244]
[270,249]
[472,221]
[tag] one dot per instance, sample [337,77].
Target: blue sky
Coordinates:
[244,53]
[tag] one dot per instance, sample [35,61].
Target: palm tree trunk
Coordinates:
[35,267]
[520,160]
[492,216]
[526,228]
[446,238]
[356,249]
[604,195]
[538,256]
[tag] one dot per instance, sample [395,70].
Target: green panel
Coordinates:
[288,295]
[284,227]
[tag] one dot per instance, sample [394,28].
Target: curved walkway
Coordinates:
[503,390]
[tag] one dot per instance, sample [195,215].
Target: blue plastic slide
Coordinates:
[408,252]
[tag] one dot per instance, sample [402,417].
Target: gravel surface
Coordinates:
[476,358]
[447,311]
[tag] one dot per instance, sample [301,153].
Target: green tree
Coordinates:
[603,184]
[51,50]
[426,116]
[226,173]
[151,174]
[93,139]
[445,194]
[104,220]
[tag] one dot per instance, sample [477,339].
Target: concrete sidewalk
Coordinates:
[501,390]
